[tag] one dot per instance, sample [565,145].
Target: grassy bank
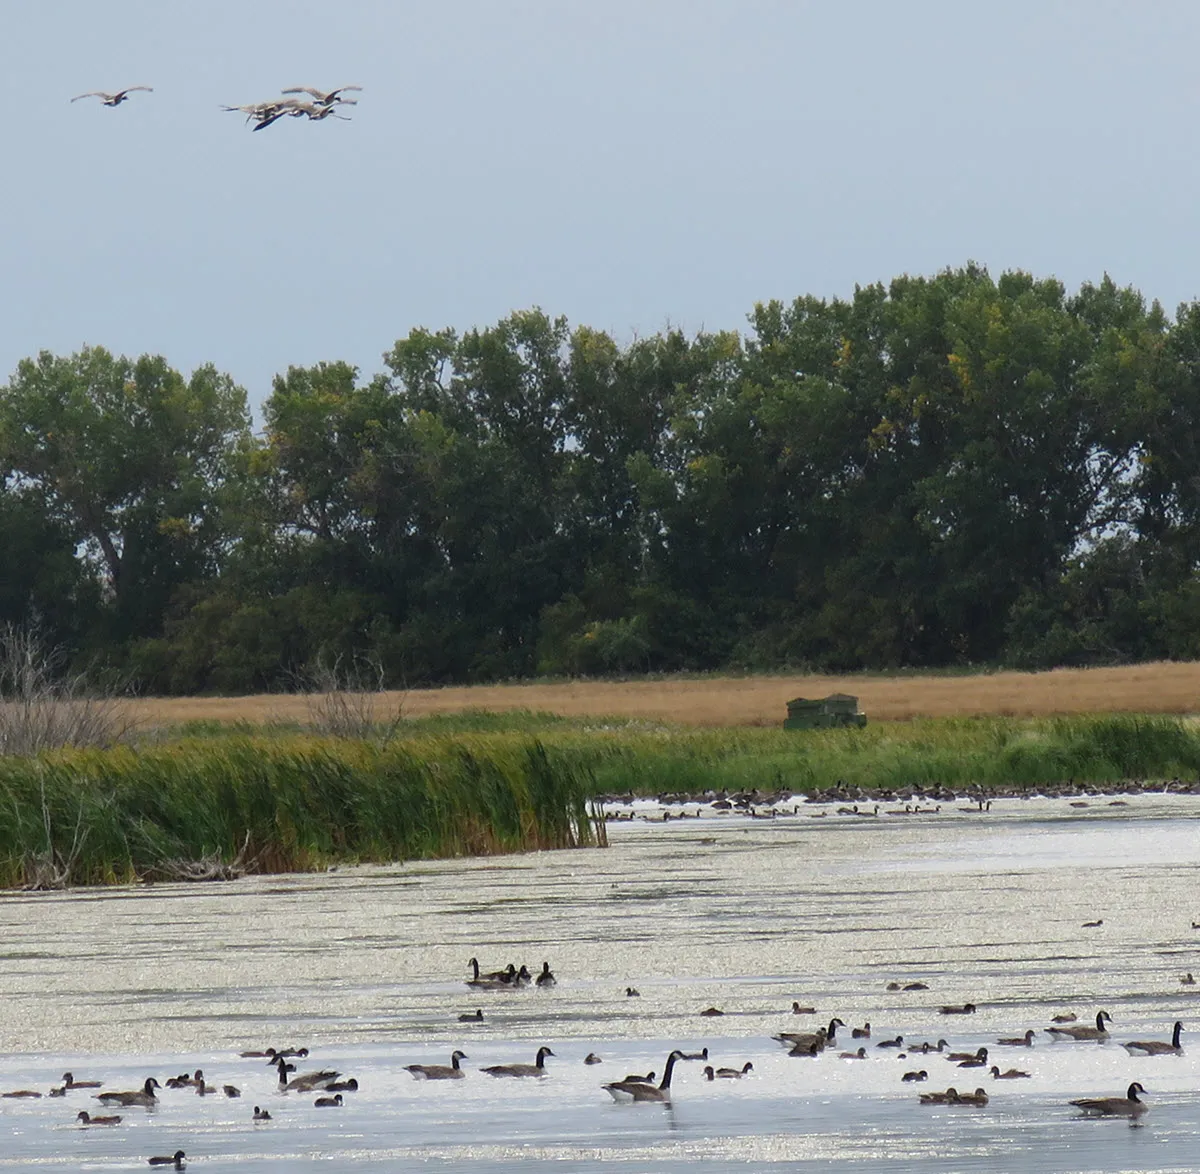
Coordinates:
[277,800]
[282,804]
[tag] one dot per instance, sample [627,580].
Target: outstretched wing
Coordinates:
[93,94]
[131,89]
[305,90]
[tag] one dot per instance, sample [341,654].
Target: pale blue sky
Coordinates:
[628,163]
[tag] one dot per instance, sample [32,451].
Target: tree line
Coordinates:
[940,471]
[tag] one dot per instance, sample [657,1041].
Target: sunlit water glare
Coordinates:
[366,967]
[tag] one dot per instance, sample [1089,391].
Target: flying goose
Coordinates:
[537,1068]
[1126,1106]
[633,1092]
[85,1118]
[112,99]
[1097,1032]
[333,1102]
[176,1160]
[1155,1047]
[1010,1074]
[325,97]
[142,1096]
[1024,1041]
[69,1082]
[449,1071]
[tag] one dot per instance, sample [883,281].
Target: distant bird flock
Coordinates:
[323,105]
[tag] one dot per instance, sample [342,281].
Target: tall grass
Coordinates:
[282,805]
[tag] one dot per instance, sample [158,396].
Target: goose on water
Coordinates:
[1156,1047]
[176,1160]
[450,1071]
[1023,1041]
[1127,1106]
[85,1118]
[632,1092]
[142,1096]
[1084,1033]
[1010,1074]
[537,1068]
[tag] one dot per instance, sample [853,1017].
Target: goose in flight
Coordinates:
[112,99]
[325,97]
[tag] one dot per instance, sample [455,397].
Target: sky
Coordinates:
[630,164]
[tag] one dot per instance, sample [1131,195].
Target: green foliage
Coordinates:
[946,470]
[286,804]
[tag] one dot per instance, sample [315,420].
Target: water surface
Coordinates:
[366,968]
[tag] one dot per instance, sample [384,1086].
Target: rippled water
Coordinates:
[366,967]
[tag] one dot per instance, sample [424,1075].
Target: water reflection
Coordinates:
[367,968]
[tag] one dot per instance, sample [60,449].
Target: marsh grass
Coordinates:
[284,805]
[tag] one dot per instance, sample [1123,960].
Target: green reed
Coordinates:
[276,805]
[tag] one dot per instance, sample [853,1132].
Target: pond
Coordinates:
[366,967]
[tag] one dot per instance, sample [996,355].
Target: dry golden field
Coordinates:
[1166,687]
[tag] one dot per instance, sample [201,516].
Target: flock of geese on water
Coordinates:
[330,1086]
[324,103]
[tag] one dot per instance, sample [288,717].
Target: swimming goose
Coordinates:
[537,1068]
[1097,1032]
[176,1160]
[142,1096]
[863,1032]
[350,1085]
[204,1089]
[1066,1018]
[495,980]
[22,1094]
[916,986]
[965,1009]
[632,993]
[898,1042]
[979,1061]
[438,1071]
[85,1118]
[959,1057]
[1154,1047]
[261,1114]
[1011,1074]
[949,1097]
[546,978]
[633,1078]
[69,1082]
[592,1058]
[861,1054]
[1092,924]
[915,1077]
[116,99]
[927,1047]
[1126,1106]
[308,1082]
[333,1102]
[805,1039]
[633,1092]
[978,1097]
[231,1090]
[734,1073]
[798,1010]
[1024,1041]
[1188,980]
[477,1017]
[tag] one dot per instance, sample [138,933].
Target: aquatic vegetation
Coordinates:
[280,805]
